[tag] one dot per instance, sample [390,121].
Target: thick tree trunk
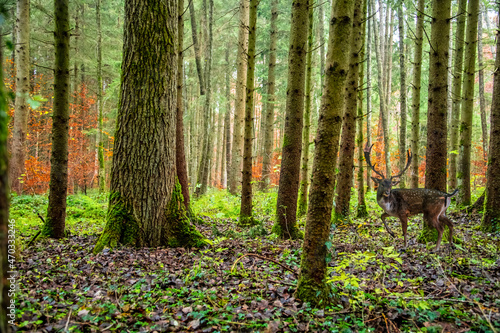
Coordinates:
[465,129]
[271,78]
[101,176]
[286,207]
[435,171]
[197,50]
[304,169]
[415,99]
[21,110]
[58,186]
[491,217]
[239,110]
[456,93]
[145,205]
[402,71]
[312,286]
[246,217]
[227,121]
[347,143]
[482,102]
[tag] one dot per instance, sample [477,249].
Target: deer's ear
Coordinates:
[376,180]
[395,182]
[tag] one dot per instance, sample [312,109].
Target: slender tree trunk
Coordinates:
[304,169]
[465,129]
[347,143]
[402,70]
[145,205]
[101,177]
[58,186]
[246,217]
[415,102]
[269,130]
[219,131]
[312,286]
[482,102]
[227,120]
[368,87]
[239,110]
[456,93]
[21,110]
[286,207]
[197,50]
[491,217]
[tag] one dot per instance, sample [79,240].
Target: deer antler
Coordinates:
[408,157]
[367,152]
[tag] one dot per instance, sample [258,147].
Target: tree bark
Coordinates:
[415,100]
[403,115]
[286,207]
[239,110]
[101,176]
[58,186]
[482,102]
[312,286]
[21,110]
[227,120]
[271,79]
[246,217]
[368,87]
[304,169]
[491,214]
[456,93]
[146,204]
[197,50]
[465,129]
[435,170]
[321,20]
[347,142]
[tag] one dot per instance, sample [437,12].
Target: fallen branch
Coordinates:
[264,258]
[39,232]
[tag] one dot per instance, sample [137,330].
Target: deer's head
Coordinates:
[385,184]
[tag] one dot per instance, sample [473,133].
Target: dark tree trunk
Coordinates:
[145,205]
[368,86]
[312,286]
[56,210]
[402,71]
[101,177]
[415,103]
[347,142]
[286,207]
[491,217]
[482,102]
[269,130]
[465,129]
[227,120]
[197,51]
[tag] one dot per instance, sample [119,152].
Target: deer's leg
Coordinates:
[383,216]
[404,226]
[444,219]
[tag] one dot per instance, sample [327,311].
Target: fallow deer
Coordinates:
[403,203]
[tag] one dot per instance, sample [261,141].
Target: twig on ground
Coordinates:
[264,258]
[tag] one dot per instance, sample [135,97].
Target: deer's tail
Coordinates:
[449,195]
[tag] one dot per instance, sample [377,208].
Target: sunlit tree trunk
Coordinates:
[415,94]
[491,217]
[21,110]
[312,286]
[465,129]
[304,169]
[456,93]
[56,210]
[286,207]
[101,176]
[347,143]
[403,115]
[246,217]
[146,203]
[239,110]
[269,130]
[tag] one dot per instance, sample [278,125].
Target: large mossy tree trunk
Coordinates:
[415,93]
[491,215]
[467,109]
[347,142]
[239,109]
[246,216]
[435,168]
[270,100]
[304,168]
[21,110]
[312,286]
[286,207]
[101,175]
[146,204]
[456,91]
[403,115]
[58,186]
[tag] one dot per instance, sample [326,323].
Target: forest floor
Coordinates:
[245,281]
